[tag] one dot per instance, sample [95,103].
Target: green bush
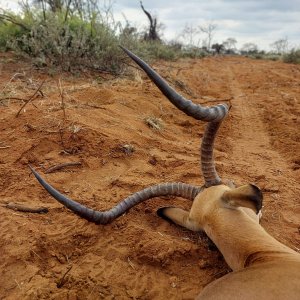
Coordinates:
[9,31]
[53,41]
[193,52]
[272,56]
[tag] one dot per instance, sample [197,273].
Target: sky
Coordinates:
[250,21]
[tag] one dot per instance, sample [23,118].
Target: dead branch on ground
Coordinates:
[63,165]
[24,208]
[62,281]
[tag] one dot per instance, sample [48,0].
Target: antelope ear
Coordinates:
[245,196]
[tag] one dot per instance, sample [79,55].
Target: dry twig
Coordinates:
[62,281]
[23,208]
[130,263]
[38,90]
[12,98]
[18,284]
[61,93]
[63,165]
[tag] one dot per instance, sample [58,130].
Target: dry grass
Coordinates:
[154,122]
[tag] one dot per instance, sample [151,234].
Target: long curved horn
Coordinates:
[179,189]
[214,115]
[209,114]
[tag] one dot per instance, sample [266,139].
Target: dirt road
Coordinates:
[139,256]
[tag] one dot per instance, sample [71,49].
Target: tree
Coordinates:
[249,48]
[11,18]
[280,46]
[209,30]
[55,5]
[218,47]
[152,33]
[87,10]
[230,45]
[190,35]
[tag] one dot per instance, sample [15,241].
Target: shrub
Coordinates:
[272,56]
[75,42]
[9,31]
[54,42]
[292,57]
[194,52]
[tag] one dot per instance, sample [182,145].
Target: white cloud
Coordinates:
[261,22]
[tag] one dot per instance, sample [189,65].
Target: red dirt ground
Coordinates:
[138,256]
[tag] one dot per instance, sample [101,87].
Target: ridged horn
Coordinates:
[214,115]
[179,189]
[208,168]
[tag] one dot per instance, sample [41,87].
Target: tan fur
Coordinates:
[263,268]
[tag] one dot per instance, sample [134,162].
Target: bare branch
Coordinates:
[61,93]
[24,208]
[11,19]
[63,165]
[152,35]
[38,90]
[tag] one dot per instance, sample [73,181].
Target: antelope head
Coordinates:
[213,191]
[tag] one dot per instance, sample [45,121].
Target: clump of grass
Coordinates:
[128,149]
[154,122]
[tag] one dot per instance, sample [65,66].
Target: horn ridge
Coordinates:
[164,189]
[214,113]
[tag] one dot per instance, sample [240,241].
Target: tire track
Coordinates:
[259,162]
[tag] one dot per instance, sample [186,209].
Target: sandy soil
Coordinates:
[139,256]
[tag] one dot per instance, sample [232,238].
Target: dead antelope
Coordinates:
[263,268]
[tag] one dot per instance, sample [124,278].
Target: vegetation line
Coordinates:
[77,35]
